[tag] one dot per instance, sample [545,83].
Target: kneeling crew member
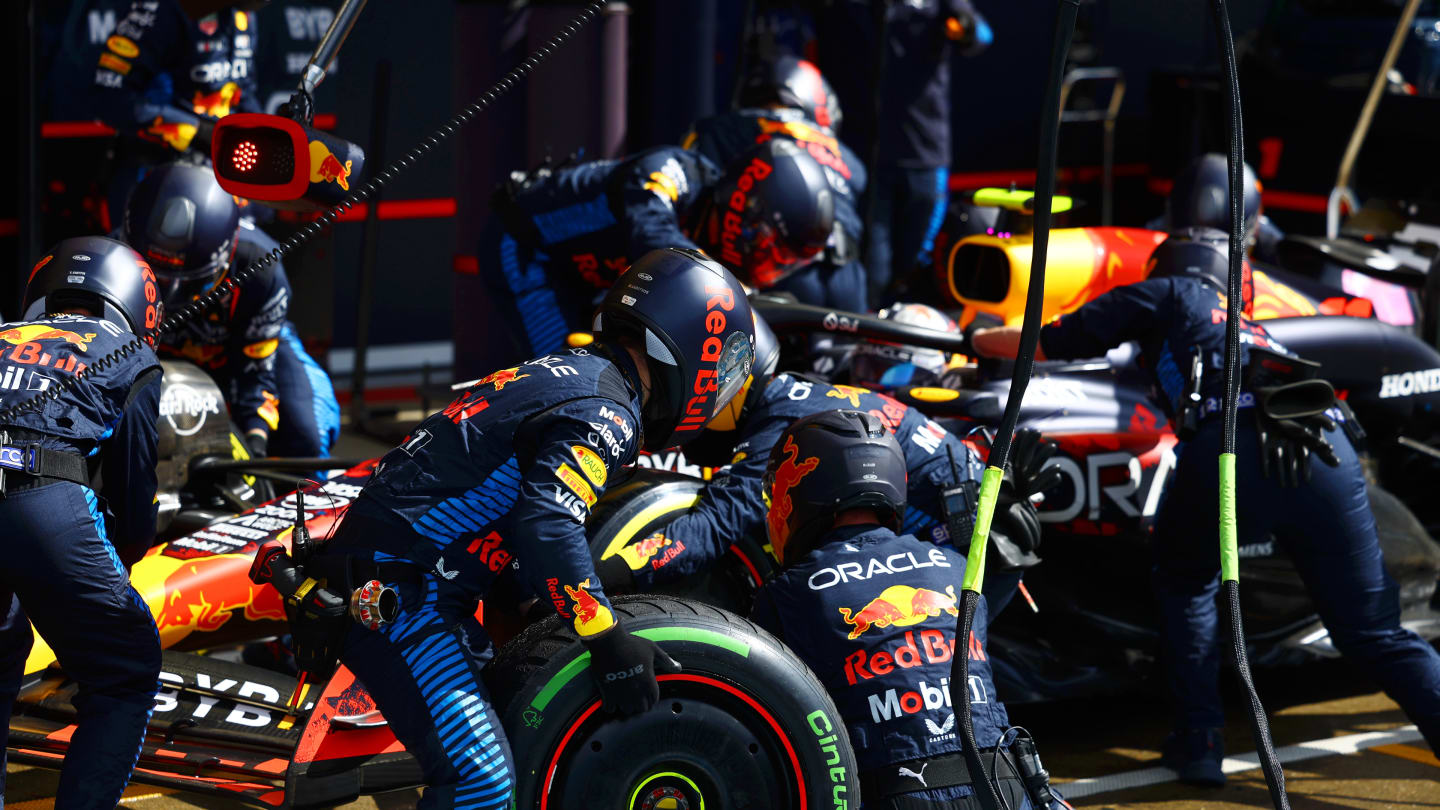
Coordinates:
[568,232]
[508,472]
[1319,513]
[742,435]
[787,98]
[67,548]
[881,643]
[191,232]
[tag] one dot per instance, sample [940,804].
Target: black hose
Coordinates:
[1259,725]
[985,788]
[197,307]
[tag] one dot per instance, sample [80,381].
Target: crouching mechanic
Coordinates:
[568,232]
[508,472]
[882,644]
[787,98]
[191,232]
[1318,512]
[67,548]
[731,506]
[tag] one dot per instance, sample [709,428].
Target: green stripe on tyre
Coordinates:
[656,634]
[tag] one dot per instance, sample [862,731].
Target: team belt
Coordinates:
[36,462]
[929,773]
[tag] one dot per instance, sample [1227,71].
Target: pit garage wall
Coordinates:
[681,60]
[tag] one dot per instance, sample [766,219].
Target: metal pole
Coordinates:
[370,246]
[1362,127]
[614,80]
[329,46]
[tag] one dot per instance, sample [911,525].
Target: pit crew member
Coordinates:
[506,476]
[67,547]
[1318,512]
[882,640]
[190,231]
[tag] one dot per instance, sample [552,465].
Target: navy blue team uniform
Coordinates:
[881,641]
[910,185]
[721,138]
[252,351]
[508,472]
[1325,525]
[164,78]
[67,546]
[560,238]
[732,506]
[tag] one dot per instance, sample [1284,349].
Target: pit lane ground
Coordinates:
[1117,739]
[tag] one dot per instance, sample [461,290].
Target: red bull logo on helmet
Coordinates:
[787,474]
[733,219]
[326,168]
[713,352]
[900,606]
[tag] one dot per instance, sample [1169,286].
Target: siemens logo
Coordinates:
[1410,383]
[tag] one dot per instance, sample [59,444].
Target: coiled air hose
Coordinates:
[195,308]
[984,782]
[1229,551]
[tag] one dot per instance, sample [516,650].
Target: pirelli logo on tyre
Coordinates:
[590,463]
[576,483]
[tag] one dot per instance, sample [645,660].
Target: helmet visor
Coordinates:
[732,368]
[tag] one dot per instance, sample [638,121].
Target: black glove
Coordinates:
[1029,454]
[615,574]
[257,444]
[1287,444]
[624,667]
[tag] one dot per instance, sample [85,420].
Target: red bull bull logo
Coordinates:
[326,168]
[847,392]
[218,103]
[900,606]
[20,335]
[202,594]
[591,617]
[177,134]
[502,378]
[787,475]
[638,554]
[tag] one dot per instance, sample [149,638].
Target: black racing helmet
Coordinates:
[794,83]
[1201,196]
[770,215]
[185,225]
[1202,253]
[691,318]
[824,464]
[102,275]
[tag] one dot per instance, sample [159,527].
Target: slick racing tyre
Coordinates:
[1412,558]
[744,725]
[633,512]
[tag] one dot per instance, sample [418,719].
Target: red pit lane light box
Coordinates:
[283,163]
